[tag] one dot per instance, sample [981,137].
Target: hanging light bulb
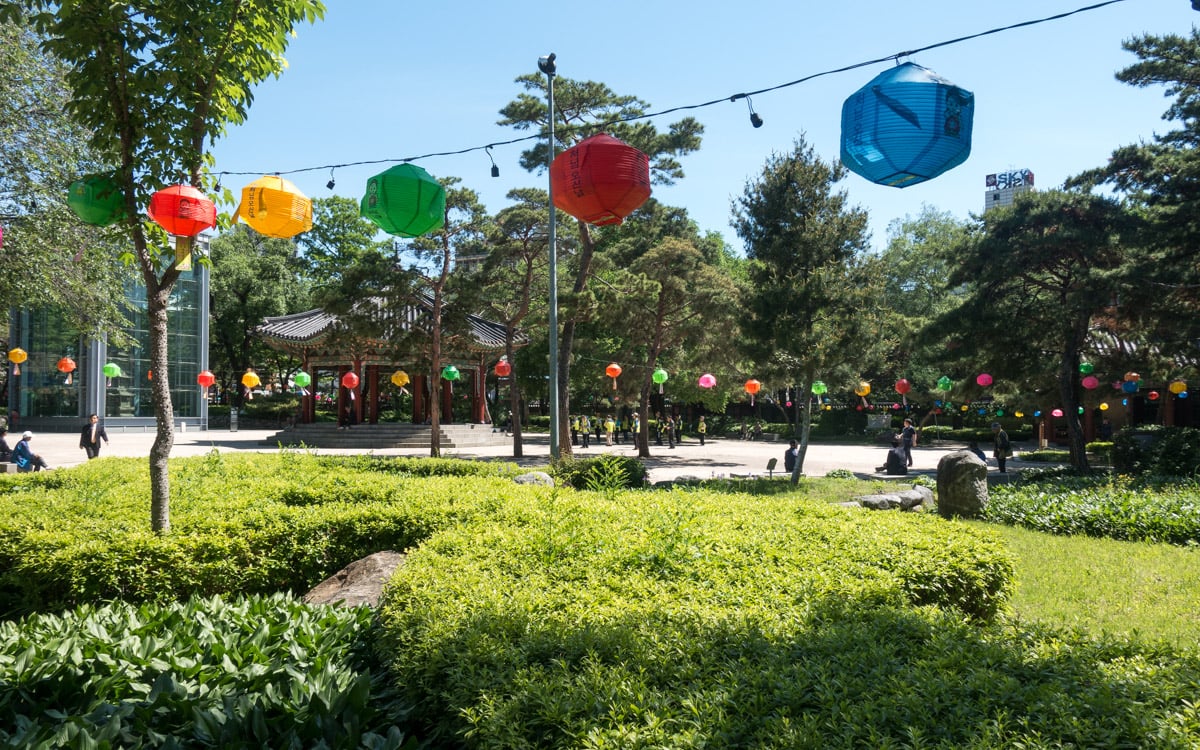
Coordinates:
[496,170]
[332,182]
[755,120]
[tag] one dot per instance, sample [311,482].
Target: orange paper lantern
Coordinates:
[206,379]
[274,207]
[182,210]
[753,386]
[600,180]
[613,370]
[503,368]
[350,381]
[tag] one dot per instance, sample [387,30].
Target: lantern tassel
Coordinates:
[614,384]
[660,389]
[108,382]
[16,369]
[351,394]
[69,376]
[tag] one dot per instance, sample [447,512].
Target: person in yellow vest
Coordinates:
[585,430]
[609,427]
[575,430]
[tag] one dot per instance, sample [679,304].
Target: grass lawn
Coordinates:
[1148,591]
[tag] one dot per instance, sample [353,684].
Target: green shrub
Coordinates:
[1154,449]
[1101,449]
[598,472]
[1047,455]
[1065,503]
[839,474]
[254,672]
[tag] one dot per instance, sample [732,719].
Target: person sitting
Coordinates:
[973,447]
[897,462]
[5,451]
[790,456]
[24,457]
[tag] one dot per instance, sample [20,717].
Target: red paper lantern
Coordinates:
[206,379]
[182,210]
[903,386]
[600,180]
[753,387]
[1152,395]
[66,365]
[350,380]
[503,368]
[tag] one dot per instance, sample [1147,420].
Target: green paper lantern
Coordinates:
[944,383]
[97,200]
[302,379]
[819,388]
[451,373]
[1086,368]
[405,201]
[112,370]
[659,376]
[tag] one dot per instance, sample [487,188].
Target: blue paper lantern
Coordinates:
[1130,386]
[906,126]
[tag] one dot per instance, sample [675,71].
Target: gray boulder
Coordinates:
[919,498]
[961,485]
[359,583]
[535,477]
[879,502]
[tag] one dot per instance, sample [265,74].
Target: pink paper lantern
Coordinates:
[1091,382]
[706,381]
[1056,413]
[984,380]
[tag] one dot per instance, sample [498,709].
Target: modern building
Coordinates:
[45,398]
[1003,187]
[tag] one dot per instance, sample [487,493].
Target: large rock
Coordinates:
[361,582]
[961,485]
[535,477]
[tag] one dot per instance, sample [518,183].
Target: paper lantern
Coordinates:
[1056,413]
[964,407]
[400,378]
[1183,394]
[1091,382]
[1132,376]
[17,356]
[274,207]
[1152,395]
[97,200]
[613,370]
[1037,413]
[66,366]
[862,389]
[1177,387]
[182,210]
[1103,406]
[1130,386]
[405,201]
[903,386]
[600,180]
[451,373]
[999,412]
[251,380]
[944,383]
[983,380]
[149,374]
[302,379]
[706,381]
[350,381]
[1018,414]
[907,125]
[112,370]
[659,376]
[819,388]
[206,379]
[1086,368]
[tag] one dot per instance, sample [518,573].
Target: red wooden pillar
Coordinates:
[418,391]
[480,399]
[447,400]
[373,393]
[341,393]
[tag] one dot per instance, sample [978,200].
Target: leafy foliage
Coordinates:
[600,473]
[1157,450]
[254,672]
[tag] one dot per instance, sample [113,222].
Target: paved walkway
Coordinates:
[719,457]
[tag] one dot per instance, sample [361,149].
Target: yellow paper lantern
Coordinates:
[400,378]
[1177,387]
[1103,406]
[863,389]
[251,379]
[1019,414]
[274,207]
[17,356]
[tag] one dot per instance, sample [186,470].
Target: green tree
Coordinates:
[1162,178]
[259,277]
[1036,276]
[585,108]
[338,239]
[812,309]
[153,85]
[48,257]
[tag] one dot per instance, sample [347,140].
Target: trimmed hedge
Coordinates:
[1154,449]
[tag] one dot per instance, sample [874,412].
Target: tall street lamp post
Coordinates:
[546,65]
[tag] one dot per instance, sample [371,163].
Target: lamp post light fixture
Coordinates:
[546,65]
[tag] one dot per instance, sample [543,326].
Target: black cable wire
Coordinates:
[709,103]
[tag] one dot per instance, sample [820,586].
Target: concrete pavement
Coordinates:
[719,457]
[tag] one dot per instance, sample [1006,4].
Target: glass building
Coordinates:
[44,398]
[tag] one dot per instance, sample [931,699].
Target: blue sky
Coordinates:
[379,80]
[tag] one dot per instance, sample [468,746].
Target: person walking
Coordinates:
[908,437]
[790,456]
[1003,448]
[24,457]
[609,427]
[89,439]
[637,430]
[671,432]
[701,430]
[585,430]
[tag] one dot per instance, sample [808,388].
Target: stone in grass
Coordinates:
[961,485]
[359,583]
[535,477]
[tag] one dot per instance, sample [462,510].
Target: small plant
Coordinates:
[608,476]
[840,474]
[600,473]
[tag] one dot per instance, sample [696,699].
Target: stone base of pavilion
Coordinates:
[366,437]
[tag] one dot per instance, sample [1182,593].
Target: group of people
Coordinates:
[611,429]
[899,458]
[26,460]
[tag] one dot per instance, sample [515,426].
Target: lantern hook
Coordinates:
[495,169]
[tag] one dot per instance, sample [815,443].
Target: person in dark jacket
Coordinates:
[5,450]
[897,462]
[89,439]
[24,457]
[790,456]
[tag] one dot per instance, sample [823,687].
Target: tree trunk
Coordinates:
[514,395]
[806,387]
[164,417]
[1066,390]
